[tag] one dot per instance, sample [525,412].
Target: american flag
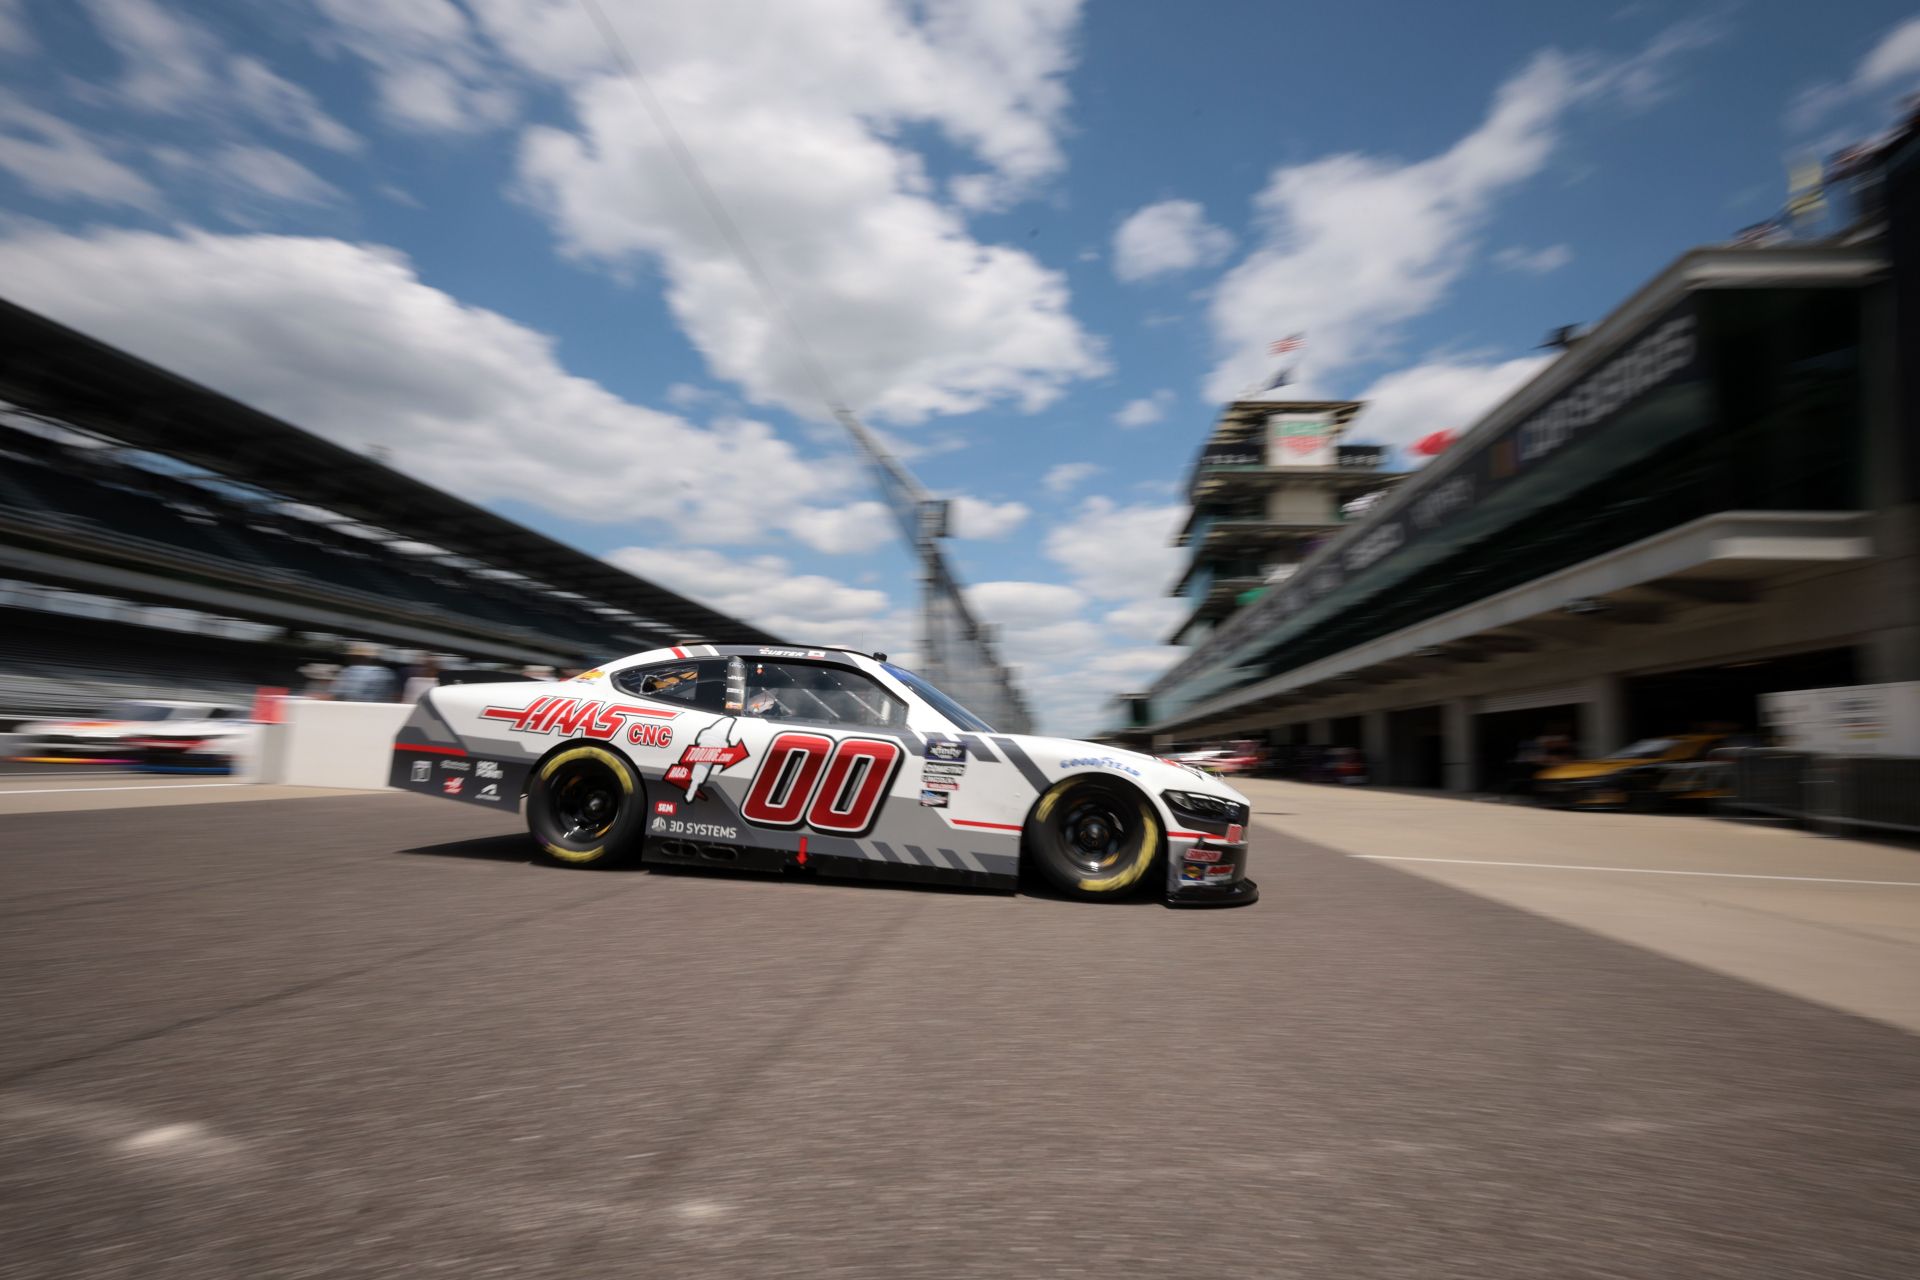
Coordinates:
[1292,342]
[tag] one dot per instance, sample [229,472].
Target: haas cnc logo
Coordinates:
[589,718]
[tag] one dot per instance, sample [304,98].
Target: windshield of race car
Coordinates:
[138,711]
[1647,749]
[805,691]
[946,706]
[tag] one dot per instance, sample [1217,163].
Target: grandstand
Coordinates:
[135,504]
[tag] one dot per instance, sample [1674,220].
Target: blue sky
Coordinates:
[1033,243]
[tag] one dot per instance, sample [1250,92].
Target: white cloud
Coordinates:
[1440,395]
[167,59]
[346,341]
[286,106]
[1352,246]
[1646,79]
[1892,64]
[799,132]
[1070,665]
[976,518]
[858,527]
[1173,235]
[804,608]
[1025,604]
[1068,475]
[1894,60]
[1148,618]
[803,135]
[432,73]
[1119,553]
[58,161]
[174,65]
[1536,262]
[14,36]
[1145,411]
[271,174]
[1137,667]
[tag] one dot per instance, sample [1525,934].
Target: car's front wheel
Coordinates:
[1093,837]
[585,807]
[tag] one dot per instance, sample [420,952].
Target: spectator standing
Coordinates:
[424,680]
[319,677]
[365,680]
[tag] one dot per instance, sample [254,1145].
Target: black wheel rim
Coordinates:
[584,800]
[1095,833]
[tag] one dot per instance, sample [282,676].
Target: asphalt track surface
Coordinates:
[364,1036]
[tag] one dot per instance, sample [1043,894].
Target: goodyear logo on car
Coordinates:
[1100,762]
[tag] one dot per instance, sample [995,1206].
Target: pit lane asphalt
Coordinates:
[363,1036]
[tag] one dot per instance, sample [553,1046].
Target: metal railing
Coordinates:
[1879,793]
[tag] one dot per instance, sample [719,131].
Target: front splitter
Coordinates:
[1241,893]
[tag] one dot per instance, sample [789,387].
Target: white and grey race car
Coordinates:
[819,760]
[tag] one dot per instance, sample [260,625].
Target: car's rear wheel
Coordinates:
[1093,837]
[585,807]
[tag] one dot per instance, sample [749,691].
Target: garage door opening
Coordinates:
[1499,735]
[1726,698]
[1416,748]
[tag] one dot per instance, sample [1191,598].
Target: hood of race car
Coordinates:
[189,729]
[80,728]
[1060,756]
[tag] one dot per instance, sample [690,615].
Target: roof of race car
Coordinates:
[843,655]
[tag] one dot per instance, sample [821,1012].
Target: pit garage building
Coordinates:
[1709,496]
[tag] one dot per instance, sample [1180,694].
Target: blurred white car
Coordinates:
[144,731]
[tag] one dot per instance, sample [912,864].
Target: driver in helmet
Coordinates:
[764,703]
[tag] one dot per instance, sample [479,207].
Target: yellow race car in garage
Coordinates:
[1645,775]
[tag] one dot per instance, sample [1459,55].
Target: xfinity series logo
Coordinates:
[588,717]
[947,751]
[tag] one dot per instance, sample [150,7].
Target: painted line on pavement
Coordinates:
[1632,871]
[158,786]
[26,775]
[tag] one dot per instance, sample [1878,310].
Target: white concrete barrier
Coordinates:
[331,744]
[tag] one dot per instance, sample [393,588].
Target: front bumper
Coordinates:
[1604,792]
[1207,856]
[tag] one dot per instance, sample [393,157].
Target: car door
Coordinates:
[820,747]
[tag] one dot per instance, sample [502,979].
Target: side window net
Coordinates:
[677,683]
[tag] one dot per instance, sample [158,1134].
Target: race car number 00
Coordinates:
[832,786]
